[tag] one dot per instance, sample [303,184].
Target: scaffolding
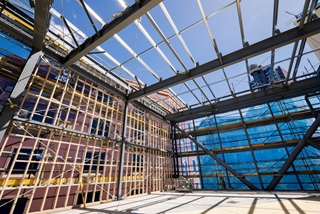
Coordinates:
[63,146]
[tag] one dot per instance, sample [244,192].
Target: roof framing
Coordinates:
[8,26]
[298,88]
[266,45]
[129,15]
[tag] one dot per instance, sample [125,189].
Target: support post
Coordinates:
[198,157]
[122,149]
[14,98]
[176,153]
[173,152]
[278,176]
[214,156]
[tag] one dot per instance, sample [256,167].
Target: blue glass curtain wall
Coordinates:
[272,130]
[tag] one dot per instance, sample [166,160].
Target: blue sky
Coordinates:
[224,27]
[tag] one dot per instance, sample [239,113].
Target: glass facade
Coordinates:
[255,142]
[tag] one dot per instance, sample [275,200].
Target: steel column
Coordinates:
[14,99]
[122,149]
[294,154]
[198,157]
[215,157]
[176,152]
[173,151]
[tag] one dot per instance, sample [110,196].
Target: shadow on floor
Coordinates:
[89,210]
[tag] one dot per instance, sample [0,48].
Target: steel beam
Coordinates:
[10,29]
[296,89]
[294,154]
[14,100]
[41,22]
[70,31]
[308,172]
[128,16]
[89,16]
[255,147]
[266,45]
[122,150]
[300,115]
[303,42]
[215,157]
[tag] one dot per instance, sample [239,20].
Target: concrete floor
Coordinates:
[211,202]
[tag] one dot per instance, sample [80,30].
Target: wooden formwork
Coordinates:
[66,132]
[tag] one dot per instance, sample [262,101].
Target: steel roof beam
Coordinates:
[266,45]
[41,22]
[89,16]
[129,49]
[299,88]
[214,43]
[274,32]
[244,43]
[70,31]
[154,24]
[128,16]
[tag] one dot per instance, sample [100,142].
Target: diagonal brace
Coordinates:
[278,176]
[215,157]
